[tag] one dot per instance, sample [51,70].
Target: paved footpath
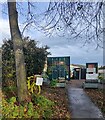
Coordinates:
[80,104]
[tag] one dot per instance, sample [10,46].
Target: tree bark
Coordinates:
[104,53]
[18,49]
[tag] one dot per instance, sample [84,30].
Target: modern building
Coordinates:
[58,68]
[78,71]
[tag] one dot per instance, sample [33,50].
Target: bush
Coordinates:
[53,83]
[34,56]
[12,109]
[45,106]
[10,91]
[101,78]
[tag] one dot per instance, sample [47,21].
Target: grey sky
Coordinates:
[60,46]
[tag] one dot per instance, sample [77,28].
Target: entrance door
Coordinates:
[55,74]
[62,73]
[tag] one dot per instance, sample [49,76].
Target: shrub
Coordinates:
[10,91]
[45,105]
[34,56]
[12,109]
[53,83]
[101,78]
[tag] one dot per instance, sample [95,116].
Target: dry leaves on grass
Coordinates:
[96,96]
[58,95]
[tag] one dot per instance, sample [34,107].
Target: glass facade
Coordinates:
[58,67]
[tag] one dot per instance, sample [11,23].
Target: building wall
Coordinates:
[58,67]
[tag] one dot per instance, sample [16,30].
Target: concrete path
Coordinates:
[80,104]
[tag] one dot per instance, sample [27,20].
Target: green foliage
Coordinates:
[42,108]
[8,66]
[9,88]
[12,100]
[11,110]
[34,59]
[44,75]
[43,102]
[10,91]
[34,56]
[53,83]
[101,78]
[45,105]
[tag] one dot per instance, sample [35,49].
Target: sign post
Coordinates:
[39,81]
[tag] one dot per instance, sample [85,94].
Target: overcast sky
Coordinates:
[59,46]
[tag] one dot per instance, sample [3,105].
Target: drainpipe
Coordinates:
[80,74]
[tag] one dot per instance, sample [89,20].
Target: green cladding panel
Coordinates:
[58,67]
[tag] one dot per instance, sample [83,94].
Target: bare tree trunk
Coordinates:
[18,49]
[104,53]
